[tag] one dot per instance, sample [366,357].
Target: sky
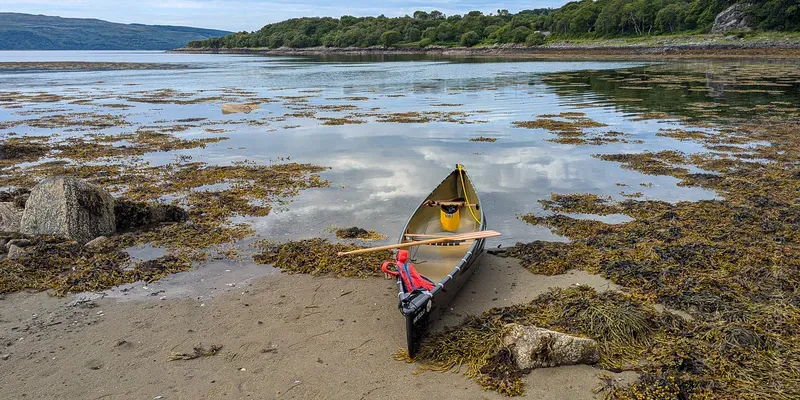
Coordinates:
[250,15]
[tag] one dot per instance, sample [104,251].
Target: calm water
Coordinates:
[379,171]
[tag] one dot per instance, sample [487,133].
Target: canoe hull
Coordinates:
[450,268]
[419,318]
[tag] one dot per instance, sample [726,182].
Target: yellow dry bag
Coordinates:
[450,217]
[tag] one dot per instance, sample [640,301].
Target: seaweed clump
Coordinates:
[483,139]
[318,256]
[624,328]
[52,263]
[358,233]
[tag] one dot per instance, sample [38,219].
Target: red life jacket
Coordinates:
[412,280]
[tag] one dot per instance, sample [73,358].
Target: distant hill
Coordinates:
[41,32]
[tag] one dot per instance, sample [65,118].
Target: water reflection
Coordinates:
[379,171]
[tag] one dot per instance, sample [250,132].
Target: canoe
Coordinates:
[447,265]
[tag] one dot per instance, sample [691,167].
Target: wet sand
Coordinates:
[284,336]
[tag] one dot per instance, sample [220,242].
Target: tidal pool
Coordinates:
[415,118]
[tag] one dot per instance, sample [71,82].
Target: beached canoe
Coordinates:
[451,209]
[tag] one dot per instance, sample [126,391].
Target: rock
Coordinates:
[732,37]
[3,243]
[69,207]
[10,217]
[5,356]
[238,108]
[15,252]
[535,347]
[131,214]
[733,17]
[18,243]
[99,244]
[86,300]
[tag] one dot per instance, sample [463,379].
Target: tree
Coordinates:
[489,30]
[445,32]
[422,15]
[390,38]
[582,18]
[670,18]
[470,39]
[535,39]
[519,34]
[413,34]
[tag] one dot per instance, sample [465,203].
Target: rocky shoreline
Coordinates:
[710,47]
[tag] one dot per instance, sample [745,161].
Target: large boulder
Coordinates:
[10,217]
[732,18]
[535,347]
[68,207]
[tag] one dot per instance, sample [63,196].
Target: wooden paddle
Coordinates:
[464,236]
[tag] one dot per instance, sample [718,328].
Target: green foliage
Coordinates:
[413,34]
[470,39]
[584,18]
[390,38]
[535,39]
[780,15]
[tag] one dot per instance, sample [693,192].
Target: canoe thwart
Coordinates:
[439,203]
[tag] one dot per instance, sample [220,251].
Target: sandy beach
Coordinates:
[283,336]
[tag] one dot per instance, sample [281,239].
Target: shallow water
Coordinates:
[379,171]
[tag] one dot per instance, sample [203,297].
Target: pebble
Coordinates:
[5,356]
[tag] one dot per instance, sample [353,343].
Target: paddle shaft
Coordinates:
[465,236]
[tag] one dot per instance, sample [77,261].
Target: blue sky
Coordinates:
[249,15]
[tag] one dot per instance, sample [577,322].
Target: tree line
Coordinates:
[585,18]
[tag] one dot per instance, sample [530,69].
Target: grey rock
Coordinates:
[98,244]
[10,217]
[16,252]
[86,300]
[3,243]
[5,356]
[18,243]
[69,207]
[732,37]
[535,347]
[733,17]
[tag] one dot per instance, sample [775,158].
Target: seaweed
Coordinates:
[483,139]
[64,267]
[318,257]
[358,233]
[198,351]
[730,264]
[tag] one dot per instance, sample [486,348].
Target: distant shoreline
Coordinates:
[559,50]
